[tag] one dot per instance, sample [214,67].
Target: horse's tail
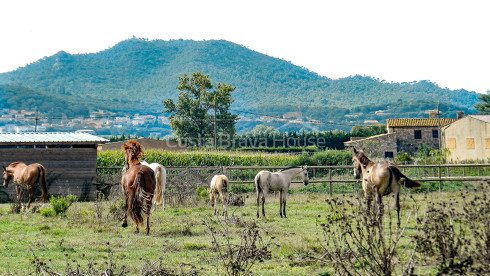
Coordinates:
[42,182]
[258,189]
[225,184]
[159,184]
[407,182]
[139,200]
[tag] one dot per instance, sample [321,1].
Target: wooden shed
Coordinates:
[70,159]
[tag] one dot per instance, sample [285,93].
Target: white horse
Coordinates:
[161,180]
[219,187]
[266,181]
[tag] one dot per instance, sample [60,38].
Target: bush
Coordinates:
[47,212]
[201,192]
[61,204]
[242,188]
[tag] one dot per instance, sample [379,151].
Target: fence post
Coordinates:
[440,181]
[330,180]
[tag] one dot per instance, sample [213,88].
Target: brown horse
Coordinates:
[26,176]
[380,179]
[218,188]
[138,185]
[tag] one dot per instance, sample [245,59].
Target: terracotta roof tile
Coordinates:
[419,122]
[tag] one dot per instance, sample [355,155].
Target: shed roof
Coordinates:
[50,138]
[419,122]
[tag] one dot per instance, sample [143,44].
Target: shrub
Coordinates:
[61,204]
[47,212]
[201,192]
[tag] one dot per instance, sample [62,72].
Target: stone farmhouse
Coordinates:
[406,135]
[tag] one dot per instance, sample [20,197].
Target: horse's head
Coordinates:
[6,177]
[357,163]
[132,152]
[304,174]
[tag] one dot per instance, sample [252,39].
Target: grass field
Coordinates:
[89,238]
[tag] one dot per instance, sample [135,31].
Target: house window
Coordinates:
[435,134]
[417,134]
[470,143]
[451,143]
[389,154]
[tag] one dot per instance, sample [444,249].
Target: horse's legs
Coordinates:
[29,190]
[264,193]
[397,206]
[280,203]
[18,193]
[379,206]
[259,194]
[163,197]
[147,225]
[125,216]
[225,212]
[284,204]
[215,202]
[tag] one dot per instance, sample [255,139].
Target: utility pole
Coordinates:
[438,126]
[36,119]
[215,143]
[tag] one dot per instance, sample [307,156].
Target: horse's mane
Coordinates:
[293,167]
[133,149]
[363,158]
[13,165]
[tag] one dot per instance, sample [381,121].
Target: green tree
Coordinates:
[201,111]
[484,108]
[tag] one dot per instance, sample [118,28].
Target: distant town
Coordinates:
[108,123]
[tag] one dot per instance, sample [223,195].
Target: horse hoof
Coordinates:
[124,224]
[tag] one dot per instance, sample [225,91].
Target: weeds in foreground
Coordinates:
[237,258]
[355,240]
[459,238]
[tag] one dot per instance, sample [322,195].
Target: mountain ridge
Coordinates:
[135,75]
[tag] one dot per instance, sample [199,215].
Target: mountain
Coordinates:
[135,75]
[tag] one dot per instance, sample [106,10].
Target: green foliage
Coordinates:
[47,212]
[484,107]
[280,149]
[324,158]
[201,192]
[190,116]
[403,157]
[198,158]
[242,188]
[122,137]
[366,131]
[426,155]
[61,204]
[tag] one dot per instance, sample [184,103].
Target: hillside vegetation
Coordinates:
[135,75]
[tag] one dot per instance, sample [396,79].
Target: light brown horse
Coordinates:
[138,186]
[380,179]
[218,188]
[26,176]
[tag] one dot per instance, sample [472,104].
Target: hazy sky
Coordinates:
[446,42]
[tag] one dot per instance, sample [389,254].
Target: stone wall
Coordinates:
[406,141]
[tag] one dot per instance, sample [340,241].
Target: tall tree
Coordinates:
[484,108]
[201,113]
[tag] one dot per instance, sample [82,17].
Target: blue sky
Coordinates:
[446,42]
